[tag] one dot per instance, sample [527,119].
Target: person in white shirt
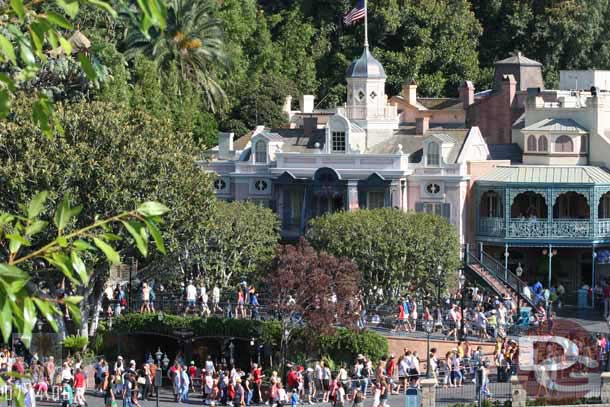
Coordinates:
[216,299]
[205,310]
[191,297]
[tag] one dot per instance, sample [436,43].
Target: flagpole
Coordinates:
[366,30]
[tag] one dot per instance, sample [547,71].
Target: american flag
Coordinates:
[355,14]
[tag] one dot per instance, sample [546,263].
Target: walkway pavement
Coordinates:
[445,398]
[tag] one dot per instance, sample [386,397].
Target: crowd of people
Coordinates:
[479,314]
[196,299]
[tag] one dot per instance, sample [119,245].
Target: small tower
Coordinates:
[367,103]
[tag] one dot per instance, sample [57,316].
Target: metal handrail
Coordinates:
[503,274]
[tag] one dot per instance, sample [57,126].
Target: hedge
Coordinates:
[342,346]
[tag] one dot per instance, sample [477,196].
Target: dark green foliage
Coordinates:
[344,345]
[393,249]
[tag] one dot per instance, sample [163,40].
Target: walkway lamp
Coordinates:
[519,272]
[439,273]
[462,280]
[428,327]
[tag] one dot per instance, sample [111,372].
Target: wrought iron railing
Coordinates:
[542,228]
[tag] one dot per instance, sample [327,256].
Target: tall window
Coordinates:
[543,143]
[583,144]
[531,143]
[260,152]
[564,144]
[338,141]
[435,208]
[433,157]
[375,199]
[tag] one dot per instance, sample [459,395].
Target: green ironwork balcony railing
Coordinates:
[568,229]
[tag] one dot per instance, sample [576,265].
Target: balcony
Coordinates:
[387,112]
[555,229]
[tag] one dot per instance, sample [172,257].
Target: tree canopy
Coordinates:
[395,251]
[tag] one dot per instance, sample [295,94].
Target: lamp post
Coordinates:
[158,355]
[462,280]
[439,272]
[519,272]
[428,327]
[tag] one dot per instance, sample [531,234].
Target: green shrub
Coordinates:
[76,343]
[345,345]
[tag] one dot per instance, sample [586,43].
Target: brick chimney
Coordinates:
[467,94]
[422,124]
[409,92]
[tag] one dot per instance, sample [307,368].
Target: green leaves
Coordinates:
[87,67]
[19,309]
[17,6]
[43,25]
[59,20]
[37,204]
[7,50]
[112,256]
[149,209]
[69,6]
[65,213]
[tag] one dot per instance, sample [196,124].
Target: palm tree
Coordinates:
[193,41]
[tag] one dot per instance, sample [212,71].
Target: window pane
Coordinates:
[260,152]
[564,144]
[583,144]
[296,202]
[376,199]
[338,141]
[531,143]
[433,154]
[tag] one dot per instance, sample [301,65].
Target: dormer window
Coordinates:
[543,144]
[338,141]
[433,157]
[260,153]
[531,143]
[564,144]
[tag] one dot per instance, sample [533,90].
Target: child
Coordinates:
[357,398]
[281,395]
[294,398]
[377,395]
[67,395]
[339,396]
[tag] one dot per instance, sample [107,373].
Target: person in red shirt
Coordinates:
[192,374]
[293,380]
[389,371]
[257,378]
[79,387]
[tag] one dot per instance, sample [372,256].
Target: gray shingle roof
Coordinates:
[510,152]
[518,59]
[556,124]
[536,174]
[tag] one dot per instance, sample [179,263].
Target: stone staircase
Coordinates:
[494,284]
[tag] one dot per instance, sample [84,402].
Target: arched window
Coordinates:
[433,156]
[571,205]
[530,205]
[491,205]
[564,144]
[603,209]
[260,152]
[531,143]
[543,143]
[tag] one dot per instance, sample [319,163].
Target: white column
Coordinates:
[352,195]
[396,194]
